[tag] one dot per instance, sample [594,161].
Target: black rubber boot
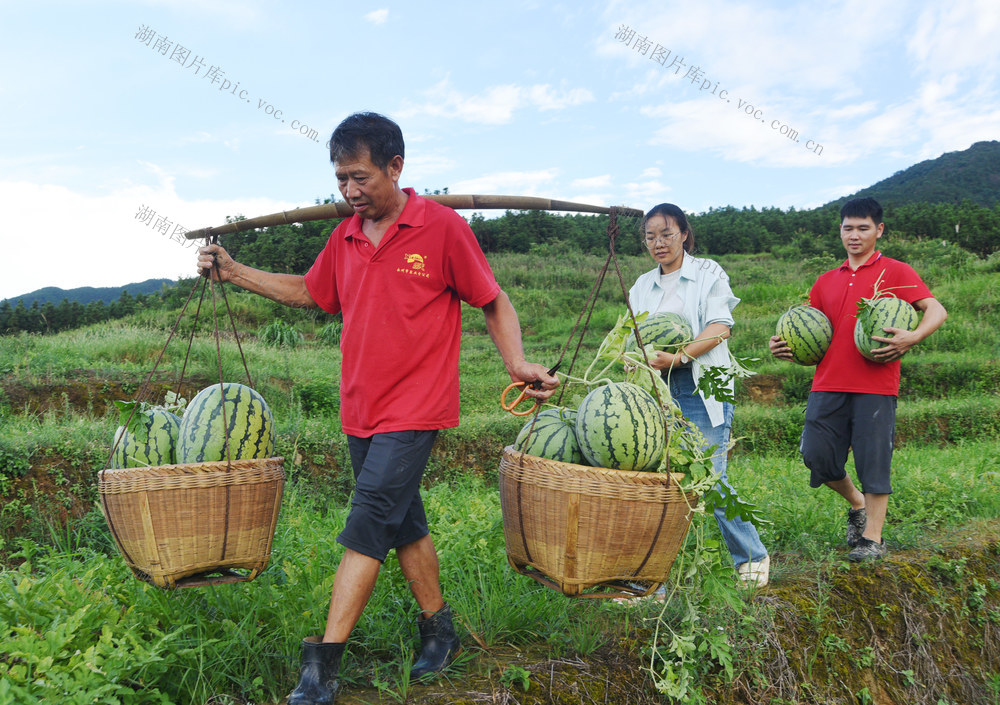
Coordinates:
[318,675]
[438,643]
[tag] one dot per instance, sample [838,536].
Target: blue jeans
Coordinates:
[741,536]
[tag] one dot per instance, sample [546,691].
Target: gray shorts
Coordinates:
[840,421]
[386,509]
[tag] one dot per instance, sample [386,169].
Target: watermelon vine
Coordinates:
[619,359]
[882,309]
[130,413]
[866,306]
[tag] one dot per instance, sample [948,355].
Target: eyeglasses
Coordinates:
[665,239]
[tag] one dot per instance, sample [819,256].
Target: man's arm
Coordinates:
[505,330]
[287,289]
[902,340]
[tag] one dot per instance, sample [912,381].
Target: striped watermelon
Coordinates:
[619,426]
[665,331]
[876,314]
[807,331]
[552,436]
[250,425]
[153,444]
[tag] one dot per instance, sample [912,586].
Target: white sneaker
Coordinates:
[755,572]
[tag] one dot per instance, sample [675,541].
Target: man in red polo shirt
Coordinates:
[852,404]
[398,270]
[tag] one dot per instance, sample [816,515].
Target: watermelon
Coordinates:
[249,419]
[664,331]
[876,314]
[551,434]
[807,331]
[619,426]
[160,429]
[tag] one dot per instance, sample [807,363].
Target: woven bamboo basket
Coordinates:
[194,524]
[573,527]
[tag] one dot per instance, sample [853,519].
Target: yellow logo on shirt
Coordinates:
[414,264]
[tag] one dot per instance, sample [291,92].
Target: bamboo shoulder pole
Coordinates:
[341,209]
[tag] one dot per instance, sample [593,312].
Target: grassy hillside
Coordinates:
[57,388]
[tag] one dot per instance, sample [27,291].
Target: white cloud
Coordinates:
[495,105]
[421,166]
[645,191]
[517,183]
[378,16]
[958,36]
[850,111]
[822,196]
[602,181]
[650,81]
[833,74]
[594,199]
[728,131]
[942,116]
[760,46]
[545,98]
[100,241]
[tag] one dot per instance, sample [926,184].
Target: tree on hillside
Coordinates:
[96,312]
[6,311]
[75,315]
[50,318]
[521,231]
[967,224]
[18,318]
[123,306]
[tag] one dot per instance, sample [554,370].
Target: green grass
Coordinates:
[922,423]
[934,488]
[243,639]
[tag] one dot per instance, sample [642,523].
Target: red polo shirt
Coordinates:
[402,315]
[836,293]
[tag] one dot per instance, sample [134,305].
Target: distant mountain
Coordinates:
[972,174]
[86,294]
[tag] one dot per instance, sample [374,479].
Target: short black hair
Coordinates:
[378,134]
[862,208]
[669,210]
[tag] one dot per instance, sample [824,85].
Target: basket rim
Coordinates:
[512,455]
[208,465]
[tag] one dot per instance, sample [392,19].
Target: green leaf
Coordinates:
[132,415]
[735,507]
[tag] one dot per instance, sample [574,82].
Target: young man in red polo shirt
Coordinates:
[398,270]
[852,404]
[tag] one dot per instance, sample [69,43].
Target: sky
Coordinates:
[125,123]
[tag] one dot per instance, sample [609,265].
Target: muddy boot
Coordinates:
[318,674]
[438,643]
